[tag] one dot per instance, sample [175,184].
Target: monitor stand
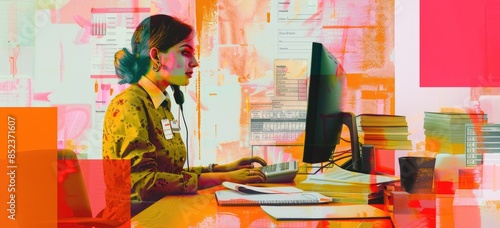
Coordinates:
[349,119]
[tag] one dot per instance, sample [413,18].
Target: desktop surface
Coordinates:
[202,210]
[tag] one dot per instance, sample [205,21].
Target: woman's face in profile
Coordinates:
[178,63]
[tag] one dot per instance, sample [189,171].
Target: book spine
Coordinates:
[351,188]
[351,200]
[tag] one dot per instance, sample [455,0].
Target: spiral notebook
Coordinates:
[236,198]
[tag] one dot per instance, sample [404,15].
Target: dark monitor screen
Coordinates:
[325,118]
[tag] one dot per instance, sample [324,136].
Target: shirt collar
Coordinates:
[156,95]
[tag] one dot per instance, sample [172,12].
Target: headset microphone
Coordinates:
[178,95]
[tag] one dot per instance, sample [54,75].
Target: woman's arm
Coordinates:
[242,163]
[207,180]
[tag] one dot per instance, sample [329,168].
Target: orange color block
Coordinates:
[28,161]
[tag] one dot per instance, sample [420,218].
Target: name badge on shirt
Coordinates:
[175,126]
[167,129]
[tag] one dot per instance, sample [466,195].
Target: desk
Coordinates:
[202,210]
[423,210]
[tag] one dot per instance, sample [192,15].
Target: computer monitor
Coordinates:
[325,118]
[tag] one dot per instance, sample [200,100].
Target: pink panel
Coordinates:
[459,43]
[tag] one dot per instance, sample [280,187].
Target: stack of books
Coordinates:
[445,131]
[384,131]
[348,187]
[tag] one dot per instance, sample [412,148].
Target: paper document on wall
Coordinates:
[110,30]
[324,212]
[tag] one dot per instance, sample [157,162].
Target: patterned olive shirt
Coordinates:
[133,131]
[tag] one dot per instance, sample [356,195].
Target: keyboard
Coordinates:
[281,172]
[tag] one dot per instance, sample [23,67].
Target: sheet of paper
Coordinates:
[260,190]
[338,174]
[324,212]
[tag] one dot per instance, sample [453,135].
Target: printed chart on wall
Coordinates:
[283,120]
[112,29]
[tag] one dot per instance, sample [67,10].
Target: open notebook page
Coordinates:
[260,190]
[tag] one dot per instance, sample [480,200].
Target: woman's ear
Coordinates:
[154,54]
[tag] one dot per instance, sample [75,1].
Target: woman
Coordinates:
[139,127]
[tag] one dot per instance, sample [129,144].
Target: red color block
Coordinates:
[459,43]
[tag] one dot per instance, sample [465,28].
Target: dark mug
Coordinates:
[417,174]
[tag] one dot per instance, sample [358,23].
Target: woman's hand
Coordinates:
[242,163]
[244,176]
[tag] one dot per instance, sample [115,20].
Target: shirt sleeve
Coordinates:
[126,136]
